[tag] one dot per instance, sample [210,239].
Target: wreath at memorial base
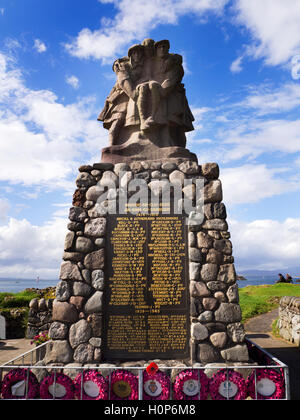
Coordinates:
[124,385]
[269,385]
[191,384]
[17,378]
[63,390]
[91,385]
[228,384]
[156,386]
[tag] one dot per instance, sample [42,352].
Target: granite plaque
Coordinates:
[146,295]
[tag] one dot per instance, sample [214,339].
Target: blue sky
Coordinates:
[242,77]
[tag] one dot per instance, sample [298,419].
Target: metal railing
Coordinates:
[262,360]
[29,358]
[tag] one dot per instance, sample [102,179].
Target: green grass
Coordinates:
[275,329]
[15,308]
[256,300]
[16,300]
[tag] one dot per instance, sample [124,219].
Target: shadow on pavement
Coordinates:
[8,348]
[251,336]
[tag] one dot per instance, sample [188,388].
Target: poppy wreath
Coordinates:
[93,376]
[191,375]
[60,379]
[17,375]
[159,379]
[229,375]
[272,375]
[124,385]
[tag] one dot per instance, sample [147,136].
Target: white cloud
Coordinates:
[73,81]
[295,67]
[252,183]
[236,65]
[29,158]
[274,26]
[47,139]
[133,21]
[42,253]
[266,244]
[4,208]
[62,211]
[39,46]
[265,122]
[198,113]
[222,119]
[201,141]
[10,78]
[268,100]
[253,137]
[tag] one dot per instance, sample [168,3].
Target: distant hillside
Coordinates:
[293,271]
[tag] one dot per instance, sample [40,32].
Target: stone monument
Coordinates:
[147,270]
[147,113]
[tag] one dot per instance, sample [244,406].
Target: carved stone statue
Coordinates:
[146,112]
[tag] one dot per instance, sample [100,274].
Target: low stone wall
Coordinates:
[15,322]
[289,319]
[39,316]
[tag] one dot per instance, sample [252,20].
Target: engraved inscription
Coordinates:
[146,290]
[126,285]
[167,252]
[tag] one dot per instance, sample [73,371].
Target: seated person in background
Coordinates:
[288,279]
[281,278]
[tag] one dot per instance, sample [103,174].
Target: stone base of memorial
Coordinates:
[141,287]
[139,149]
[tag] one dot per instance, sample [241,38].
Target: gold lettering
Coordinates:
[147,284]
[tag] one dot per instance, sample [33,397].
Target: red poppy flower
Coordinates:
[152,368]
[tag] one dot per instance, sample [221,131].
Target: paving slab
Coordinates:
[9,349]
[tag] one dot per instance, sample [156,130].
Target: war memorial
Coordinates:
[147,279]
[147,269]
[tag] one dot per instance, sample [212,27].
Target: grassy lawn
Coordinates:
[16,300]
[256,300]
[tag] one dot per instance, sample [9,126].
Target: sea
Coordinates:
[17,285]
[256,280]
